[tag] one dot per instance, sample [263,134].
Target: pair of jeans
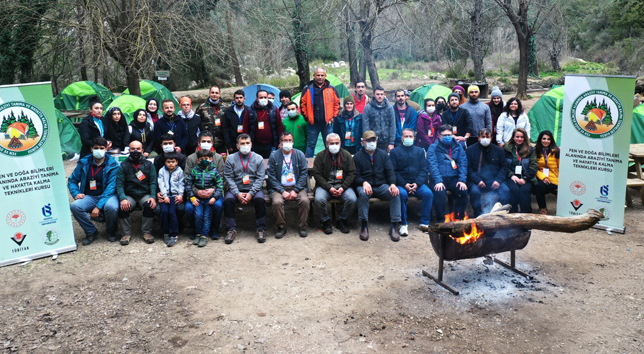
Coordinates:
[483,199]
[260,211]
[314,130]
[169,220]
[322,197]
[423,193]
[147,218]
[520,196]
[440,198]
[215,221]
[203,214]
[80,208]
[381,192]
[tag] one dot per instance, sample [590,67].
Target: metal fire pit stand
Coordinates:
[439,279]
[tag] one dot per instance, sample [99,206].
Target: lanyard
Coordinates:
[136,167]
[450,153]
[171,126]
[349,124]
[242,161]
[288,164]
[453,117]
[331,158]
[94,173]
[545,156]
[516,152]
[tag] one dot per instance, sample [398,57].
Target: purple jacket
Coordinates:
[424,127]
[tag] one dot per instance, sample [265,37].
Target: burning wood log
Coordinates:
[501,220]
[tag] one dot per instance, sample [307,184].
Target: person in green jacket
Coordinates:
[297,125]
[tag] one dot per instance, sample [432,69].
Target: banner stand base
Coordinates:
[52,253]
[619,230]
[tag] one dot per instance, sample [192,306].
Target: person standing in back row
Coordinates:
[459,119]
[320,105]
[265,125]
[379,116]
[212,118]
[479,113]
[360,99]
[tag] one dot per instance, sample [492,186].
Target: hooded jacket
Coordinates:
[330,97]
[440,156]
[200,179]
[340,128]
[529,164]
[410,120]
[505,126]
[380,118]
[78,178]
[427,129]
[171,184]
[300,129]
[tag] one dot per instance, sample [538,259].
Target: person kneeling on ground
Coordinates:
[136,184]
[171,187]
[92,185]
[411,168]
[375,177]
[204,177]
[486,172]
[287,174]
[244,174]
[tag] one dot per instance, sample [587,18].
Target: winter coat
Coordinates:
[117,133]
[410,164]
[330,97]
[171,184]
[461,120]
[300,129]
[529,164]
[78,178]
[486,164]
[200,179]
[505,127]
[231,123]
[178,127]
[427,129]
[194,127]
[274,171]
[410,121]
[380,172]
[127,184]
[159,161]
[381,119]
[323,166]
[552,165]
[142,133]
[191,161]
[271,118]
[88,131]
[495,112]
[212,119]
[340,128]
[440,165]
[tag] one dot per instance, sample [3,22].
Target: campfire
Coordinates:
[495,232]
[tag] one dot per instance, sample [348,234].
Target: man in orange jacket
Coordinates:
[320,105]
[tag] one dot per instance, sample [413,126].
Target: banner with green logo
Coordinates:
[595,138]
[35,204]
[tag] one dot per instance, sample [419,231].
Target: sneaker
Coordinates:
[172,240]
[230,236]
[327,228]
[342,226]
[214,235]
[125,240]
[89,239]
[261,236]
[303,232]
[166,238]
[281,231]
[403,230]
[196,239]
[148,238]
[203,241]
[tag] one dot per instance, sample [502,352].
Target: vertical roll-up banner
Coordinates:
[36,220]
[595,139]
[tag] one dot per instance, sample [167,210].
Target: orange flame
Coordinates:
[452,218]
[468,237]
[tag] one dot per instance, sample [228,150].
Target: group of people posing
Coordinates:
[372,149]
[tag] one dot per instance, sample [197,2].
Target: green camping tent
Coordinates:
[432,91]
[152,89]
[637,131]
[546,114]
[128,104]
[70,140]
[75,97]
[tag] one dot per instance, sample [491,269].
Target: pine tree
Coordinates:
[31,132]
[586,110]
[5,125]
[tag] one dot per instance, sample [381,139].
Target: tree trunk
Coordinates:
[351,48]
[533,65]
[132,77]
[362,71]
[239,81]
[477,53]
[522,86]
[368,55]
[301,45]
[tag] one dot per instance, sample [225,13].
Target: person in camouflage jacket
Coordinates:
[212,117]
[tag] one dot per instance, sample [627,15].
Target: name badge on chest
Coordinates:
[246,179]
[260,125]
[140,175]
[338,174]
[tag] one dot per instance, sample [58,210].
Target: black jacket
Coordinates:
[117,133]
[230,123]
[127,184]
[142,133]
[194,127]
[159,161]
[88,131]
[492,162]
[461,119]
[380,172]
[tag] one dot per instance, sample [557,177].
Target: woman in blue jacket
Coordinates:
[348,125]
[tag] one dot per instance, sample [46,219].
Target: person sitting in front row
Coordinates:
[448,172]
[244,173]
[171,183]
[204,177]
[92,185]
[522,164]
[375,177]
[548,170]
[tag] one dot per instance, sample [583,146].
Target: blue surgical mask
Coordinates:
[447,139]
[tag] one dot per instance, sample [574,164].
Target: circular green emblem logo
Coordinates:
[23,129]
[50,237]
[597,114]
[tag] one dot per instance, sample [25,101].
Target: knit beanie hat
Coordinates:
[185,99]
[458,87]
[349,99]
[496,92]
[453,94]
[473,87]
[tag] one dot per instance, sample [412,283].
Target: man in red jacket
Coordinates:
[320,105]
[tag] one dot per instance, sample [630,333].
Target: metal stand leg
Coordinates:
[439,280]
[511,265]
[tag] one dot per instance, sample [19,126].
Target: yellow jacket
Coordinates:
[553,166]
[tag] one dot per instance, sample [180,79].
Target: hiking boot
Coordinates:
[393,234]
[166,238]
[230,236]
[261,236]
[172,240]
[214,235]
[342,226]
[364,233]
[203,241]
[196,239]
[125,240]
[303,232]
[327,228]
[89,239]
[281,231]
[404,230]
[148,238]
[112,238]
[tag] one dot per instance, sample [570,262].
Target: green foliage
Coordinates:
[470,74]
[577,67]
[456,71]
[514,68]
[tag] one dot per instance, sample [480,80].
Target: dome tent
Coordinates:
[152,89]
[251,93]
[128,104]
[637,130]
[432,91]
[546,114]
[75,97]
[70,140]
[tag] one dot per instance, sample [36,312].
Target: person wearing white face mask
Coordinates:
[411,169]
[296,124]
[375,177]
[244,173]
[487,170]
[265,125]
[92,185]
[167,146]
[287,174]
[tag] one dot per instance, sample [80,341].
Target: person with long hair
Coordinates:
[522,162]
[496,105]
[548,170]
[152,109]
[441,105]
[140,129]
[512,118]
[427,125]
[92,126]
[116,130]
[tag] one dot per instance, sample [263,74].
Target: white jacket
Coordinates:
[505,126]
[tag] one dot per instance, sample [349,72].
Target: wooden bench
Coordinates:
[636,183]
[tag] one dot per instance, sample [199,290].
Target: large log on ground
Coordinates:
[499,221]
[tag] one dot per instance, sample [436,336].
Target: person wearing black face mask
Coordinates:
[136,184]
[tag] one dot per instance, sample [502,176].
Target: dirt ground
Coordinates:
[328,294]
